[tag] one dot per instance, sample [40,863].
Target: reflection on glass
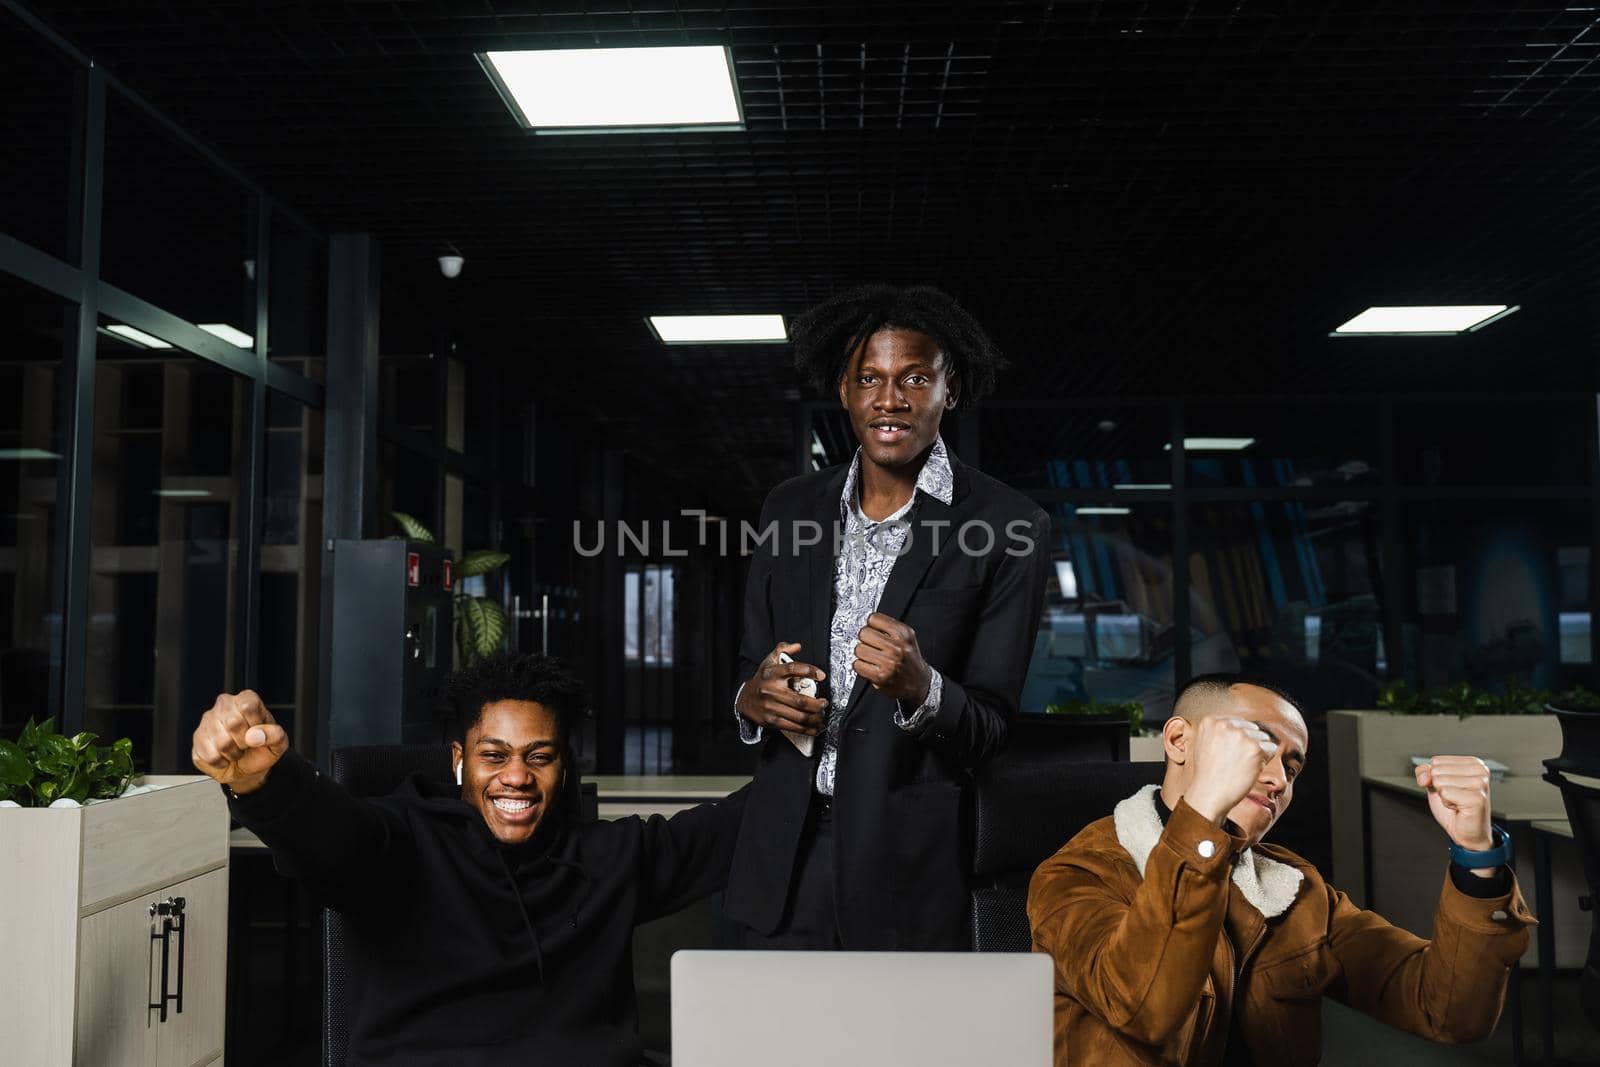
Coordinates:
[1107,630]
[1281,444]
[163,528]
[1499,589]
[31,449]
[1114,448]
[177,231]
[36,128]
[1509,441]
[291,565]
[1288,592]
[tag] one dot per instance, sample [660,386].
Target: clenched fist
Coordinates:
[1458,796]
[238,741]
[1228,756]
[888,657]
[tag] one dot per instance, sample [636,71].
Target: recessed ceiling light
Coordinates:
[718,329]
[590,90]
[182,493]
[132,336]
[236,338]
[1423,321]
[1144,485]
[1213,444]
[1105,511]
[27,453]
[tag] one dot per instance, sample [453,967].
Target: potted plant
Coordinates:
[43,769]
[480,620]
[116,902]
[1143,746]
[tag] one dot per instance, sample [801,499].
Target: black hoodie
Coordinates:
[467,951]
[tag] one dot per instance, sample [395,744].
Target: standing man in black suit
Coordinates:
[906,587]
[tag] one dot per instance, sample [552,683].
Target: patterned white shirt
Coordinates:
[867,553]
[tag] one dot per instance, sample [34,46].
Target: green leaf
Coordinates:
[46,792]
[481,561]
[483,626]
[413,529]
[83,740]
[14,766]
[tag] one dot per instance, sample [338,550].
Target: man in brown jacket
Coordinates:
[1179,938]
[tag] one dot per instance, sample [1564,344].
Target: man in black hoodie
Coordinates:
[487,924]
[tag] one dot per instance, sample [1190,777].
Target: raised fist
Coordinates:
[1458,796]
[1228,755]
[238,741]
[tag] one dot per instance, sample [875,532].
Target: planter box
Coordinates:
[79,930]
[1150,748]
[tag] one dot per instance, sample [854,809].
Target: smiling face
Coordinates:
[896,389]
[511,767]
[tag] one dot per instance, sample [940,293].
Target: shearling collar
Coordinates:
[1269,886]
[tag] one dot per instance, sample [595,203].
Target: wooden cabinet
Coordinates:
[108,910]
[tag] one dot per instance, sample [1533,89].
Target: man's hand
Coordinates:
[1458,796]
[1228,754]
[887,656]
[238,741]
[767,700]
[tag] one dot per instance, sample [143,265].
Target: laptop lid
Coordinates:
[884,1009]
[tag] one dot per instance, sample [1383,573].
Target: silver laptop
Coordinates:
[883,1009]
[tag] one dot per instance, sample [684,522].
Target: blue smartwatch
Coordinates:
[1498,856]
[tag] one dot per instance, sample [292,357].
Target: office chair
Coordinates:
[368,771]
[1580,758]
[1026,810]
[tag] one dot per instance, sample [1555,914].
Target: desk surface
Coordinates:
[1516,798]
[666,786]
[1556,827]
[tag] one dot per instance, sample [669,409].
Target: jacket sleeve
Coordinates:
[756,636]
[337,844]
[687,856]
[1140,965]
[1450,989]
[975,712]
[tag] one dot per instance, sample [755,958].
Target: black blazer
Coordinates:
[900,801]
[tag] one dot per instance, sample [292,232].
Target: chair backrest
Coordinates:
[373,771]
[1026,810]
[1074,738]
[1582,802]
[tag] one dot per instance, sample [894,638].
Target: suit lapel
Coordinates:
[821,560]
[906,575]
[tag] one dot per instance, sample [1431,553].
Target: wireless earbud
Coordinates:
[458,771]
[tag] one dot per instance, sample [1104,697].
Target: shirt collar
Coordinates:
[936,479]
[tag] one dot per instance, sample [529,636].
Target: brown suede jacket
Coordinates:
[1142,921]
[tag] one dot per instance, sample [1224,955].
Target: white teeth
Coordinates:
[507,804]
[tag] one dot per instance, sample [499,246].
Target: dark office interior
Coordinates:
[233,341]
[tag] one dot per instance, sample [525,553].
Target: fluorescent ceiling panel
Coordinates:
[718,329]
[1144,485]
[1104,511]
[1214,444]
[236,338]
[27,453]
[182,493]
[1423,320]
[578,90]
[138,337]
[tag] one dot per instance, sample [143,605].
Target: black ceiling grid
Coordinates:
[1138,198]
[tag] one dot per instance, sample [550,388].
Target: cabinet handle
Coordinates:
[166,918]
